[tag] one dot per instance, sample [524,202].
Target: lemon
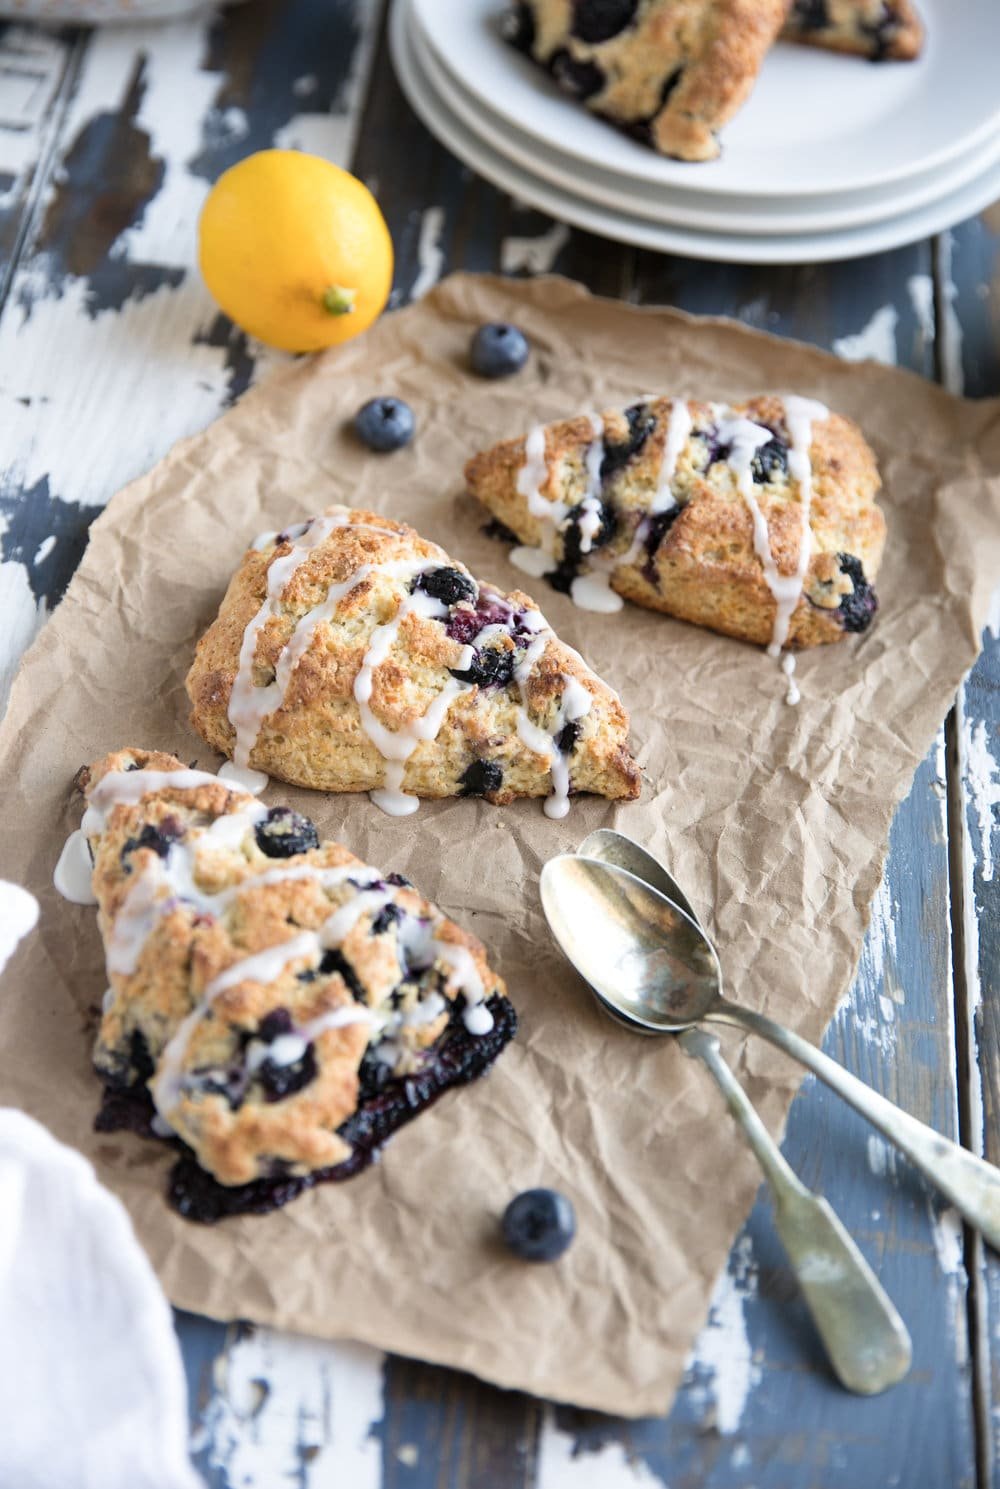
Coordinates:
[295,250]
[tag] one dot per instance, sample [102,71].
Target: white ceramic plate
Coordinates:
[720,247]
[672,205]
[815,123]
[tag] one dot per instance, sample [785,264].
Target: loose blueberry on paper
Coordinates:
[384,424]
[539,1224]
[283,833]
[498,350]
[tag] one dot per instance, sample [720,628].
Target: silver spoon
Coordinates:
[654,964]
[866,1340]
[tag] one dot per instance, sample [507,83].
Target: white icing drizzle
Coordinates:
[792,696]
[679,426]
[800,415]
[533,475]
[397,745]
[575,703]
[74,871]
[243,778]
[745,439]
[18,916]
[534,561]
[592,591]
[127,787]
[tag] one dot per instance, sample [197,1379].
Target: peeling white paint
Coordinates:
[408,1454]
[22,620]
[952,369]
[949,1248]
[993,616]
[31,65]
[430,253]
[564,1464]
[981,773]
[873,1014]
[292,1410]
[876,340]
[723,1346]
[43,550]
[534,255]
[881,1158]
[921,292]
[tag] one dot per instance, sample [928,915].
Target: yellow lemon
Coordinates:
[295,250]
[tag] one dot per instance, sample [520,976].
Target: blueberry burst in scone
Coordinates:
[880,29]
[349,654]
[275,1004]
[758,520]
[670,72]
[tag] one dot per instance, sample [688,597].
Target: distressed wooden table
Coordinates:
[110,350]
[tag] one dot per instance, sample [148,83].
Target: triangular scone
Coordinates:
[757,520]
[349,654]
[879,29]
[285,1006]
[670,72]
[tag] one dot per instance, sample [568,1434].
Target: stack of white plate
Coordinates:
[832,157]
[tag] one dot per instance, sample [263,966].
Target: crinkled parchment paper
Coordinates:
[774,818]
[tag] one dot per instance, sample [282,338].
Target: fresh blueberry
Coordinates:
[283,833]
[447,585]
[539,1225]
[518,26]
[859,608]
[595,21]
[480,777]
[498,350]
[490,668]
[384,424]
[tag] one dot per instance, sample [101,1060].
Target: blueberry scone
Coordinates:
[283,1006]
[349,654]
[670,72]
[757,520]
[880,29]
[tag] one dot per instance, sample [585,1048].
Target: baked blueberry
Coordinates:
[335,961]
[498,350]
[592,517]
[565,740]
[489,668]
[283,833]
[274,1024]
[518,26]
[641,423]
[388,915]
[539,1224]
[464,624]
[595,21]
[859,608]
[811,15]
[384,424]
[769,461]
[158,838]
[279,1081]
[481,777]
[447,585]
[582,79]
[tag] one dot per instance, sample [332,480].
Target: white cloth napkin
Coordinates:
[92,1392]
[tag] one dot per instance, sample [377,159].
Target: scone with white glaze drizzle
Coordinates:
[284,1006]
[757,520]
[350,654]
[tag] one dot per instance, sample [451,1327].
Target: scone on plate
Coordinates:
[284,1006]
[758,520]
[883,30]
[349,654]
[670,72]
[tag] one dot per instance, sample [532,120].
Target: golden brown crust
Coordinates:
[704,567]
[880,29]
[316,735]
[674,71]
[206,900]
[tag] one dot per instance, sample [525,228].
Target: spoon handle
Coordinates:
[969,1183]
[865,1338]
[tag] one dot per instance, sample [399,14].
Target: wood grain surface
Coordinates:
[110,350]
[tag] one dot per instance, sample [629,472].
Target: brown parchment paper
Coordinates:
[774,818]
